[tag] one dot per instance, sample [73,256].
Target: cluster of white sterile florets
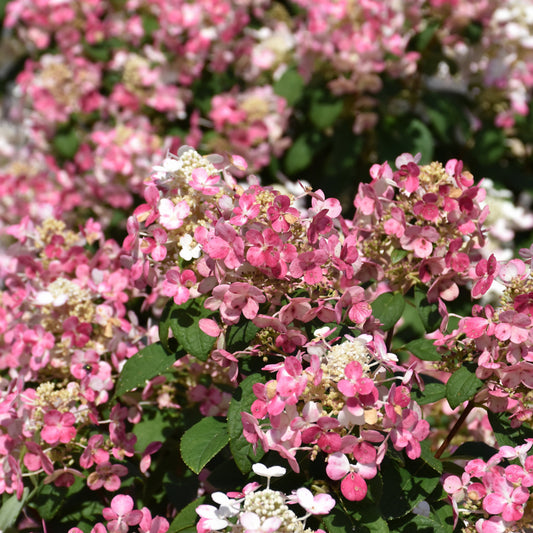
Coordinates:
[264,510]
[505,218]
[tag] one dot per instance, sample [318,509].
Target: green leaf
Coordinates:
[441,523]
[423,349]
[474,450]
[422,139]
[505,434]
[397,255]
[164,324]
[150,24]
[379,525]
[66,144]
[490,145]
[405,485]
[428,312]
[290,86]
[428,457]
[422,39]
[186,519]
[325,109]
[184,322]
[97,52]
[202,442]
[11,507]
[88,511]
[337,521]
[388,308]
[241,449]
[239,336]
[462,386]
[299,155]
[368,514]
[147,363]
[433,392]
[150,428]
[48,500]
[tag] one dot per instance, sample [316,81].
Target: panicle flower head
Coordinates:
[340,355]
[264,511]
[501,493]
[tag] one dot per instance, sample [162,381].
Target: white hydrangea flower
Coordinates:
[189,251]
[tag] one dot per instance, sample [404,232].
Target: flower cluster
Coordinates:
[337,405]
[498,61]
[65,334]
[251,123]
[127,77]
[420,225]
[265,511]
[494,496]
[120,515]
[498,339]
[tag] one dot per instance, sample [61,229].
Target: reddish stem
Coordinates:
[455,429]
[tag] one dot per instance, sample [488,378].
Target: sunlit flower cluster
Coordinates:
[263,510]
[494,496]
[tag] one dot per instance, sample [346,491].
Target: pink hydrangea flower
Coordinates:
[58,427]
[121,514]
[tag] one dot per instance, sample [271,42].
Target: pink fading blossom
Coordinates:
[107,476]
[94,452]
[172,215]
[58,427]
[121,514]
[203,182]
[420,240]
[505,498]
[177,285]
[513,326]
[247,210]
[281,215]
[485,272]
[157,524]
[317,504]
[407,175]
[234,299]
[308,265]
[146,459]
[353,485]
[98,528]
[356,384]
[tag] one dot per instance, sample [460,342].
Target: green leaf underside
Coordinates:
[147,363]
[11,507]
[462,386]
[202,442]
